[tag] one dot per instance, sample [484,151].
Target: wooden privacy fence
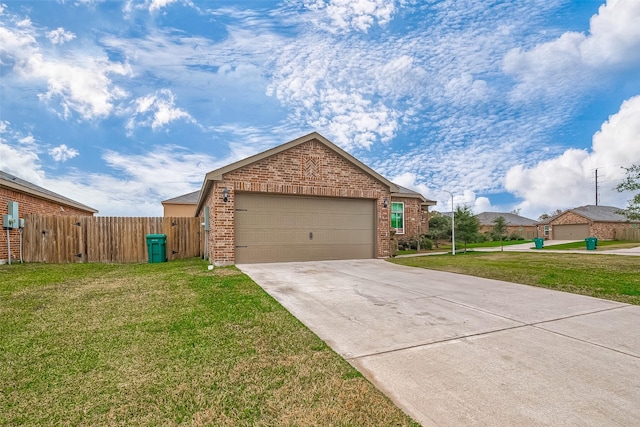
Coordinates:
[631,234]
[60,239]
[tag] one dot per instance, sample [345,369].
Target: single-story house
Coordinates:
[585,221]
[31,199]
[516,224]
[184,205]
[304,200]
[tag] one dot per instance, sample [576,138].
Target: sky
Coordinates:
[506,105]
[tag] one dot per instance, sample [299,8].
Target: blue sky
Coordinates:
[509,105]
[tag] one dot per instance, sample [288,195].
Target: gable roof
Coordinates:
[595,213]
[600,213]
[488,218]
[185,199]
[17,184]
[216,175]
[406,192]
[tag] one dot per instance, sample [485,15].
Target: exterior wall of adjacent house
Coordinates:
[567,218]
[182,209]
[27,204]
[600,229]
[607,230]
[309,169]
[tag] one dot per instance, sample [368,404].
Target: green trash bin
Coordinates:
[591,243]
[539,241]
[157,247]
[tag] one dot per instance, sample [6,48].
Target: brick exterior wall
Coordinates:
[309,169]
[416,221]
[27,204]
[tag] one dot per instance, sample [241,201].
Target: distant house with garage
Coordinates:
[516,225]
[603,222]
[305,200]
[31,199]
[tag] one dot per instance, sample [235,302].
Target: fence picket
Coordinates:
[59,239]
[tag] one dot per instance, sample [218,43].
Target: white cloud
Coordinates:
[155,5]
[574,59]
[60,36]
[443,197]
[62,153]
[156,111]
[77,85]
[352,14]
[567,181]
[19,154]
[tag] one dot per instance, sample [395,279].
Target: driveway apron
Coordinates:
[455,350]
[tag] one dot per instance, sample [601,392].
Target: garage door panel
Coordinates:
[274,228]
[571,231]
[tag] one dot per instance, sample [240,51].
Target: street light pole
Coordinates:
[453,227]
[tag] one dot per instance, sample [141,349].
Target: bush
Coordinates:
[426,243]
[412,243]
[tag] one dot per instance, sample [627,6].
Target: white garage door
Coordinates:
[273,228]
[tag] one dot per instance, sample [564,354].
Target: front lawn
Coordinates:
[612,277]
[167,344]
[603,245]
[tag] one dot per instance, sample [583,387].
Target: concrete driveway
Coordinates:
[455,350]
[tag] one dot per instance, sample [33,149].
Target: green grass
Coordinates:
[166,344]
[611,277]
[493,244]
[447,246]
[602,245]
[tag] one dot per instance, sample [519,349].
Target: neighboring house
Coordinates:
[184,205]
[31,199]
[305,200]
[586,221]
[516,224]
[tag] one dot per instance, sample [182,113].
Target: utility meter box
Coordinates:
[7,221]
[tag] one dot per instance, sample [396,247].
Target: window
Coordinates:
[397,217]
[546,230]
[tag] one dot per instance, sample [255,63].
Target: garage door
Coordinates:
[270,228]
[570,232]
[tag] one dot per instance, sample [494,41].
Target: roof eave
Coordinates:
[41,195]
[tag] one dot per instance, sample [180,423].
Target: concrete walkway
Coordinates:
[455,350]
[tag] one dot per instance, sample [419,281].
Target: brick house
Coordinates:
[585,221]
[516,224]
[304,200]
[31,199]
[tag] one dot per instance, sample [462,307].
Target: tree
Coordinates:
[547,216]
[500,228]
[439,228]
[467,225]
[632,183]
